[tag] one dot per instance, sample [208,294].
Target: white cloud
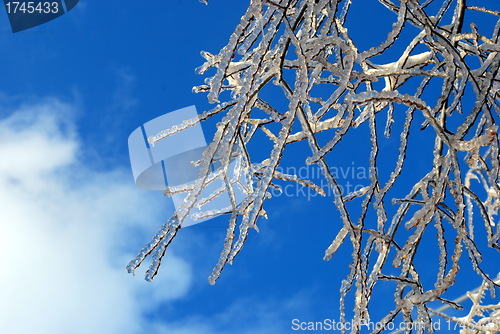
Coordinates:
[249,316]
[67,233]
[60,230]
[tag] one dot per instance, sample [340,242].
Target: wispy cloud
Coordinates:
[248,316]
[123,97]
[60,227]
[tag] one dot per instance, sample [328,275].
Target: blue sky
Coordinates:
[71,92]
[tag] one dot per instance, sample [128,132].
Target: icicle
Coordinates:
[167,232]
[304,183]
[216,193]
[402,151]
[210,213]
[188,123]
[390,120]
[339,239]
[160,250]
[256,30]
[442,250]
[243,233]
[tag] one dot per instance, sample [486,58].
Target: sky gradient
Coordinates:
[71,218]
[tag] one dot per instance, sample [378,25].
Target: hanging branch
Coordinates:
[303,45]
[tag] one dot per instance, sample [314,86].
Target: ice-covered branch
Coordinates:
[444,82]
